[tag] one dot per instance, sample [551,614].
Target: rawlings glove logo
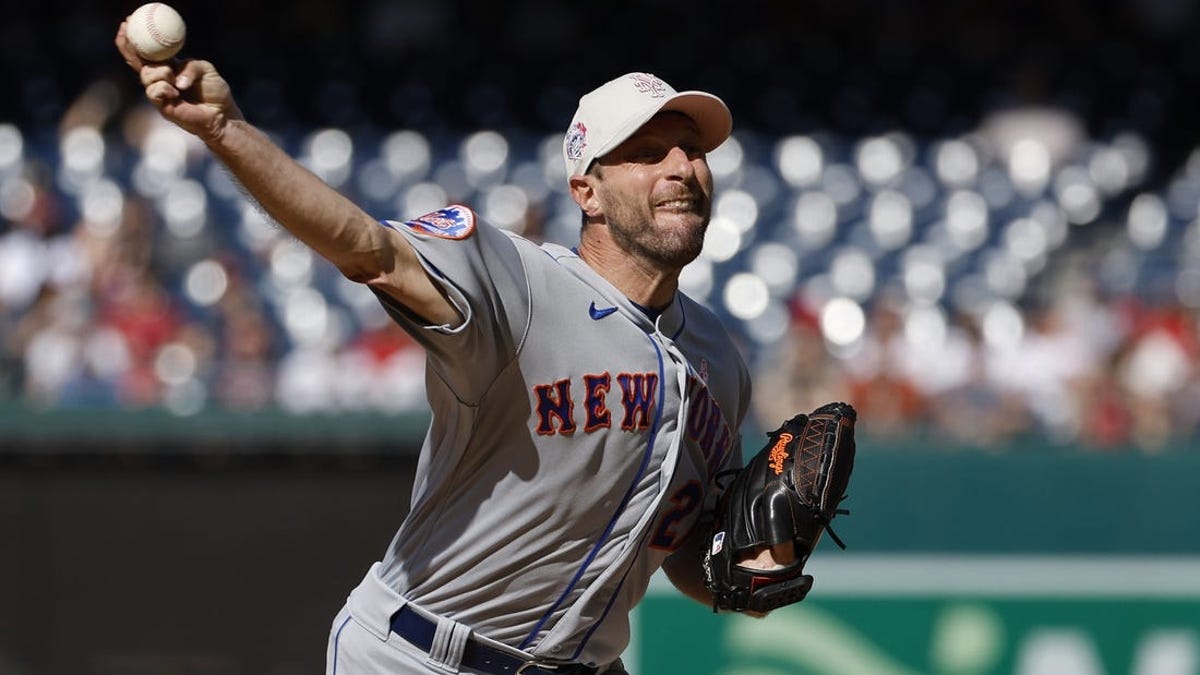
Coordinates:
[779,453]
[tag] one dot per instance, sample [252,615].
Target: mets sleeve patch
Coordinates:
[452,222]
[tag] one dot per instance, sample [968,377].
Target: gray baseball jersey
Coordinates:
[572,446]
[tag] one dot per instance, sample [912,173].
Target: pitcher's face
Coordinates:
[655,190]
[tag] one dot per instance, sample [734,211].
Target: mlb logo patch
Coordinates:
[718,542]
[575,141]
[452,222]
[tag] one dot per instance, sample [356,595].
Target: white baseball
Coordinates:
[156,31]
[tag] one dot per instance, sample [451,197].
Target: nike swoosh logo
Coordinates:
[597,313]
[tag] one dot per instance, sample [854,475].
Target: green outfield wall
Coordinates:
[1035,561]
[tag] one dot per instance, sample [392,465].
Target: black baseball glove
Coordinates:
[789,492]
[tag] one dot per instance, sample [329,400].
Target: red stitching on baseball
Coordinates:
[153,29]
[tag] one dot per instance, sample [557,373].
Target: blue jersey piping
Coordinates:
[652,437]
[336,638]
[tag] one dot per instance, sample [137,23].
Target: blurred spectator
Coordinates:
[798,375]
[1157,366]
[973,411]
[880,386]
[244,378]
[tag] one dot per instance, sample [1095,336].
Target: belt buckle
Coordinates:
[528,665]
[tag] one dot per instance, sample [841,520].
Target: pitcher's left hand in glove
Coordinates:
[789,492]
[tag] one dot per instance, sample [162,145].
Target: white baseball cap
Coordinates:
[615,110]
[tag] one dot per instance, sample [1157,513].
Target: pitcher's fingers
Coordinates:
[156,72]
[126,48]
[161,91]
[190,72]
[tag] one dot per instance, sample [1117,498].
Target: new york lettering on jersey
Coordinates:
[708,432]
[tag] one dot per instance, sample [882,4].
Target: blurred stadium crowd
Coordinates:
[977,264]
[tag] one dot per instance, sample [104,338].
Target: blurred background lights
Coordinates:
[924,275]
[12,148]
[375,181]
[852,273]
[550,157]
[1078,195]
[966,219]
[422,198]
[1053,221]
[777,266]
[1025,239]
[696,279]
[746,296]
[1147,221]
[291,263]
[530,177]
[800,161]
[363,304]
[841,184]
[484,154]
[306,315]
[1187,287]
[221,184]
[1183,197]
[739,207]
[407,155]
[1135,152]
[771,325]
[101,204]
[328,154]
[506,207]
[164,150]
[82,151]
[760,182]
[814,218]
[727,159]
[1002,326]
[1109,169]
[996,188]
[1004,275]
[185,208]
[175,363]
[842,322]
[206,282]
[956,163]
[1191,242]
[925,327]
[891,219]
[919,187]
[17,199]
[722,240]
[107,353]
[879,160]
[1029,165]
[256,230]
[453,177]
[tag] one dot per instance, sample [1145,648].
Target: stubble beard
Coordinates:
[672,245]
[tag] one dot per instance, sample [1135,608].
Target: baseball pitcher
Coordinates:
[582,406]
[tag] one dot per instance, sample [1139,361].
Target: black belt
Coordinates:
[418,630]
